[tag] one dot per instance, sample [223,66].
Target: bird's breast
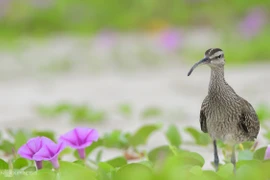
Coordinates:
[221,120]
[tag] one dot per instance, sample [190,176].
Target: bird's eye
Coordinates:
[219,56]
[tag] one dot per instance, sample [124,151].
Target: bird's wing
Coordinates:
[203,115]
[249,122]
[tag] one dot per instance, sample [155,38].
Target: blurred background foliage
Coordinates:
[47,16]
[242,26]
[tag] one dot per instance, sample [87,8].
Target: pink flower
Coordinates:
[33,146]
[50,152]
[253,23]
[171,39]
[79,138]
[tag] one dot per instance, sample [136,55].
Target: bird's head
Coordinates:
[213,57]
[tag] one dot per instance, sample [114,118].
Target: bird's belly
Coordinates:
[223,126]
[223,132]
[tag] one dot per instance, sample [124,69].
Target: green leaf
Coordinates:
[52,111]
[93,146]
[151,112]
[259,153]
[80,162]
[69,170]
[117,162]
[200,138]
[267,135]
[221,144]
[6,146]
[99,155]
[159,153]
[134,171]
[20,139]
[246,145]
[252,163]
[105,166]
[147,163]
[210,175]
[43,174]
[66,151]
[3,164]
[116,139]
[125,109]
[85,114]
[247,172]
[31,169]
[191,158]
[180,165]
[263,112]
[173,136]
[89,149]
[20,163]
[48,134]
[78,113]
[47,165]
[105,171]
[197,170]
[141,136]
[225,170]
[245,155]
[265,168]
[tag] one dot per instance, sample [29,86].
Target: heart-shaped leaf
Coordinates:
[173,136]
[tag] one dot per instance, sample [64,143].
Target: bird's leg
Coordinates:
[216,159]
[233,158]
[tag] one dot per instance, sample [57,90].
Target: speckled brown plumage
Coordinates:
[224,114]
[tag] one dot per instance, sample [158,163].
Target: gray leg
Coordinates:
[216,159]
[233,159]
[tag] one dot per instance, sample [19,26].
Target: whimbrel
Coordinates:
[224,115]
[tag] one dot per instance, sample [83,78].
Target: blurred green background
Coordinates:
[240,27]
[35,17]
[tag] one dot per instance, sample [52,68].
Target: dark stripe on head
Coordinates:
[207,52]
[213,51]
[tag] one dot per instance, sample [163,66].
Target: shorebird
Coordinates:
[224,115]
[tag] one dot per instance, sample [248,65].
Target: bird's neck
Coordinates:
[217,83]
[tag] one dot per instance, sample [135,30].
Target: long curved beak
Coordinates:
[201,62]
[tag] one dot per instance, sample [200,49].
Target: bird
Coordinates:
[224,115]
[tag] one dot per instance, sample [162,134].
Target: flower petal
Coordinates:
[79,137]
[69,138]
[25,153]
[46,140]
[49,151]
[93,135]
[32,146]
[267,153]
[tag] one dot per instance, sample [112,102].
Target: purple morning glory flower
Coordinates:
[50,152]
[267,153]
[79,138]
[253,23]
[171,39]
[33,146]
